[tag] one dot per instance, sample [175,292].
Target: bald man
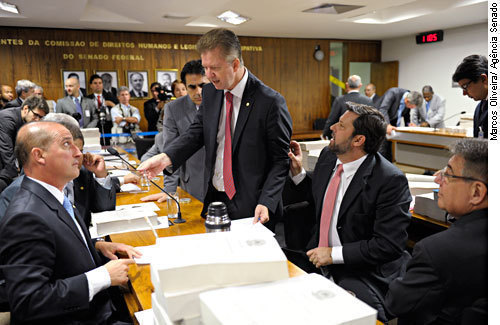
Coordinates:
[75,104]
[52,272]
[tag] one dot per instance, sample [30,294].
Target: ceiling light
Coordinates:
[232,17]
[9,7]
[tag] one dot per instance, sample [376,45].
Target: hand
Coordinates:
[118,271]
[131,179]
[160,104]
[109,103]
[261,214]
[158,197]
[320,256]
[154,165]
[390,128]
[118,119]
[95,164]
[425,124]
[413,124]
[109,249]
[295,155]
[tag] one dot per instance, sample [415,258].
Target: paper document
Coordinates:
[143,206]
[147,254]
[246,225]
[420,178]
[145,317]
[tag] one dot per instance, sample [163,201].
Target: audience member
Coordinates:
[256,134]
[153,107]
[472,76]
[371,92]
[339,106]
[136,83]
[362,207]
[446,280]
[103,103]
[431,114]
[6,95]
[81,88]
[78,106]
[11,120]
[178,89]
[51,268]
[179,114]
[24,89]
[38,91]
[125,116]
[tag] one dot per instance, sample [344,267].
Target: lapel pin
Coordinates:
[81,188]
[248,104]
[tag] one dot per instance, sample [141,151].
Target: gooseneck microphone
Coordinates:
[179,216]
[449,117]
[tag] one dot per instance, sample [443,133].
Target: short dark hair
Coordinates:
[94,77]
[154,85]
[472,67]
[221,38]
[35,102]
[475,153]
[191,67]
[427,89]
[370,123]
[74,75]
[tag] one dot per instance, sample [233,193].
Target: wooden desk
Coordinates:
[307,135]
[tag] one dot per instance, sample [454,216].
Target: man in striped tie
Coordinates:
[361,203]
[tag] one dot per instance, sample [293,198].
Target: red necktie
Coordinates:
[328,205]
[228,164]
[99,103]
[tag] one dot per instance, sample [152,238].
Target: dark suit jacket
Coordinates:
[43,259]
[389,106]
[10,122]
[447,273]
[481,119]
[14,103]
[376,100]
[133,93]
[151,114]
[90,116]
[261,141]
[372,220]
[339,107]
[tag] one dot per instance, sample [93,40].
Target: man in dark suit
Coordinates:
[103,103]
[6,95]
[396,104]
[11,120]
[24,89]
[472,76]
[75,103]
[360,233]
[339,106]
[52,271]
[446,280]
[153,107]
[250,178]
[371,92]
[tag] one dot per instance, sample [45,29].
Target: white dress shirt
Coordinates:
[237,91]
[350,170]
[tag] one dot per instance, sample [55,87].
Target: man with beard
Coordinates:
[361,204]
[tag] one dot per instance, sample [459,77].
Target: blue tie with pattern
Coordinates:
[79,110]
[69,207]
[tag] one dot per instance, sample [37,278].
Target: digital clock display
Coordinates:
[430,37]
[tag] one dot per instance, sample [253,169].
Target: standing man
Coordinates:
[245,127]
[125,117]
[431,114]
[362,207]
[11,120]
[103,103]
[153,107]
[78,106]
[24,89]
[137,82]
[339,107]
[472,76]
[52,272]
[447,277]
[371,92]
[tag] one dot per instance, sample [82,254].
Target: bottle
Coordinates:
[480,134]
[217,218]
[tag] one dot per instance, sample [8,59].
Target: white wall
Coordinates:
[434,64]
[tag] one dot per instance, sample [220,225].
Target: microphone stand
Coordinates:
[179,218]
[446,119]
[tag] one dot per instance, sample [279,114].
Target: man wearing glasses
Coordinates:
[472,76]
[11,120]
[446,279]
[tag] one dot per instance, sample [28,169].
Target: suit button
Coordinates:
[340,227]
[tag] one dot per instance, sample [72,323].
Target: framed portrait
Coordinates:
[110,80]
[138,83]
[81,75]
[166,76]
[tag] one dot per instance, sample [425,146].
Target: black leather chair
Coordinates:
[142,145]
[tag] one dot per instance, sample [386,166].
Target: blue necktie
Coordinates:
[69,207]
[427,104]
[400,112]
[79,110]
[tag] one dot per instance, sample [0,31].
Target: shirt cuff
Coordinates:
[299,177]
[337,256]
[98,280]
[104,181]
[121,179]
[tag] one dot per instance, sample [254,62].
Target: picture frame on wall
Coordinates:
[166,77]
[110,81]
[138,83]
[81,75]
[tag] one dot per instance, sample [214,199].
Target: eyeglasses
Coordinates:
[38,116]
[442,175]
[193,87]
[466,85]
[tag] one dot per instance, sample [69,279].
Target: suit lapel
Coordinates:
[246,105]
[213,115]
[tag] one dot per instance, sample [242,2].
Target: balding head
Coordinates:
[353,82]
[72,86]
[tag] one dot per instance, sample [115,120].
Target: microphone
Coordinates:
[102,114]
[179,219]
[449,117]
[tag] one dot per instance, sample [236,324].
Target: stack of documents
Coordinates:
[421,184]
[92,139]
[313,149]
[308,299]
[186,266]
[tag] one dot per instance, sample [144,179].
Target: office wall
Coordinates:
[434,64]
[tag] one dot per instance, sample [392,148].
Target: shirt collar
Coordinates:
[79,98]
[52,189]
[240,86]
[351,168]
[404,97]
[353,91]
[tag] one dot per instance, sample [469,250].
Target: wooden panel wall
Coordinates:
[285,64]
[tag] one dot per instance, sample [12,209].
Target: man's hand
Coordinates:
[261,214]
[158,197]
[412,124]
[425,124]
[131,179]
[320,256]
[160,104]
[118,271]
[95,164]
[154,165]
[390,128]
[109,250]
[118,119]
[295,155]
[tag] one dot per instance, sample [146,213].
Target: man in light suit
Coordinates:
[446,280]
[75,103]
[352,86]
[51,268]
[179,114]
[360,233]
[431,112]
[246,158]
